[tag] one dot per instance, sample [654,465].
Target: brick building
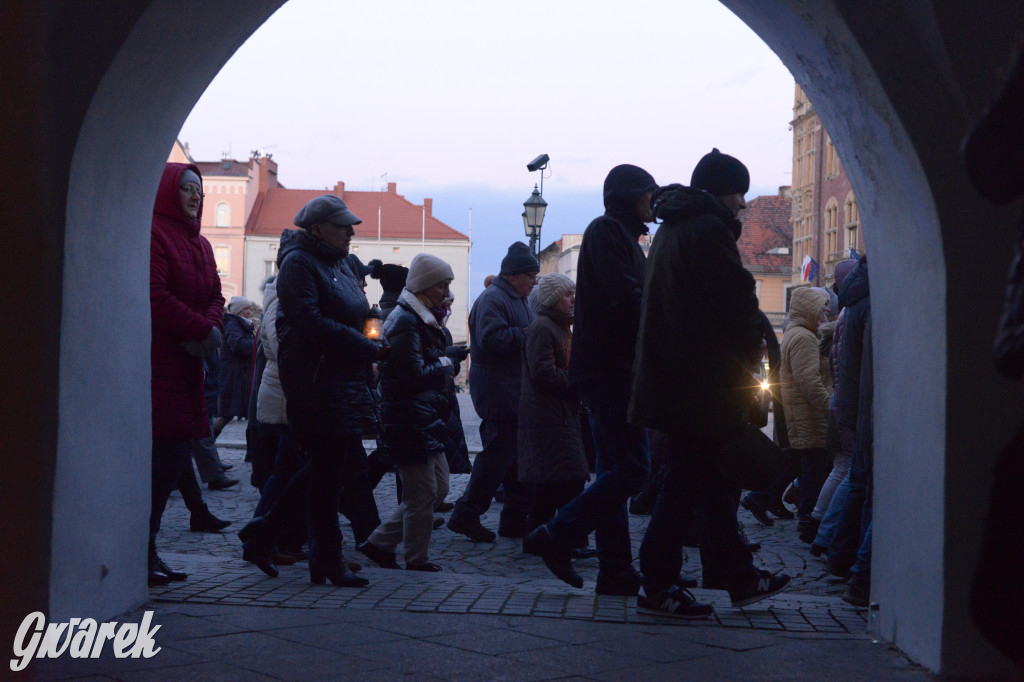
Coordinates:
[765,248]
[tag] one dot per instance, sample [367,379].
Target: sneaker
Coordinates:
[792,494]
[858,592]
[473,530]
[760,513]
[624,585]
[808,530]
[763,586]
[675,602]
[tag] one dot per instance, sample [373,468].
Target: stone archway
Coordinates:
[100,100]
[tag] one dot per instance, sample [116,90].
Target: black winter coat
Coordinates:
[550,444]
[416,393]
[497,325]
[854,383]
[610,280]
[323,357]
[236,367]
[700,329]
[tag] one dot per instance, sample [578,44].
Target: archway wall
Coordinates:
[100,506]
[897,85]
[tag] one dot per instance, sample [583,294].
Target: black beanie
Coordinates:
[518,260]
[720,174]
[392,277]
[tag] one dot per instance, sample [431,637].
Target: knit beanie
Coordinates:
[237,304]
[426,271]
[190,176]
[720,175]
[326,208]
[392,276]
[519,260]
[551,288]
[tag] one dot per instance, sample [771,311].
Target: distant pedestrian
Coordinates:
[236,361]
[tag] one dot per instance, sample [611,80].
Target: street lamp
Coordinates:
[533,218]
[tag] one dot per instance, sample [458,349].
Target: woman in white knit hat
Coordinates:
[552,460]
[416,401]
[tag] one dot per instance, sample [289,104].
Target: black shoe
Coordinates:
[438,522]
[258,545]
[760,513]
[203,521]
[817,550]
[809,530]
[473,530]
[837,570]
[761,587]
[624,585]
[381,557]
[685,583]
[751,545]
[156,578]
[638,506]
[226,467]
[157,563]
[340,576]
[780,511]
[857,592]
[557,559]
[587,552]
[426,566]
[674,602]
[445,507]
[222,483]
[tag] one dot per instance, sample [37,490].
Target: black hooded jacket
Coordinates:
[609,282]
[323,356]
[701,329]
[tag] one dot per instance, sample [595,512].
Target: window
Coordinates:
[222,218]
[833,167]
[852,223]
[831,228]
[395,249]
[269,268]
[222,254]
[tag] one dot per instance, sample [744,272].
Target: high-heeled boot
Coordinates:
[339,574]
[158,570]
[203,521]
[258,545]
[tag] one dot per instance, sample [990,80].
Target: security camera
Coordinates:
[538,164]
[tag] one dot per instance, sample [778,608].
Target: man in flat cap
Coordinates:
[497,326]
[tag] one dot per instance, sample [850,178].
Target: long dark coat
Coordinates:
[185,304]
[236,367]
[550,444]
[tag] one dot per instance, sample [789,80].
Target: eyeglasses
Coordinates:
[190,190]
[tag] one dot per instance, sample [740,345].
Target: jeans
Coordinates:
[204,452]
[411,524]
[170,458]
[840,468]
[694,482]
[623,465]
[830,521]
[495,465]
[850,528]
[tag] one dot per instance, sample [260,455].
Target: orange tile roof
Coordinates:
[275,210]
[766,226]
[221,169]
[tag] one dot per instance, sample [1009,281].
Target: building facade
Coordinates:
[765,247]
[825,218]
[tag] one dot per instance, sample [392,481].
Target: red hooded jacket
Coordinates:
[185,303]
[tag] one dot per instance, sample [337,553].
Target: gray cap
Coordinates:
[327,208]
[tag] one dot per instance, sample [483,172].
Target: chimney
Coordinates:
[392,188]
[428,204]
[267,173]
[339,189]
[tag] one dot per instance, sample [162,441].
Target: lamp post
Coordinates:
[533,218]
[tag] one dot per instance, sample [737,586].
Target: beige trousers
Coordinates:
[423,486]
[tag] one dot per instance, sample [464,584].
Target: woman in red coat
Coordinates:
[187,310]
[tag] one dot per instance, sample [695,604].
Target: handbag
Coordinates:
[752,459]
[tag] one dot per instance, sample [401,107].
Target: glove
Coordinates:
[212,342]
[194,348]
[447,366]
[457,353]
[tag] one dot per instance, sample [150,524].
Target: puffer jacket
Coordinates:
[550,444]
[497,325]
[805,394]
[270,402]
[700,329]
[610,282]
[416,393]
[185,304]
[236,366]
[323,357]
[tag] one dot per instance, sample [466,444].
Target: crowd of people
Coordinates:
[573,382]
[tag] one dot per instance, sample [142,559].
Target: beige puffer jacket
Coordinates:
[805,381]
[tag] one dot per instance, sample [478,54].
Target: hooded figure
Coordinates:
[236,359]
[805,393]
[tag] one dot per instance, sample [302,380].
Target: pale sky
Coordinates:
[452,100]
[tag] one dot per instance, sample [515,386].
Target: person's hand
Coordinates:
[382,352]
[457,353]
[212,342]
[194,348]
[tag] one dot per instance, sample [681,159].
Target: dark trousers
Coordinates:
[495,465]
[855,517]
[170,459]
[694,481]
[288,462]
[623,465]
[547,498]
[191,494]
